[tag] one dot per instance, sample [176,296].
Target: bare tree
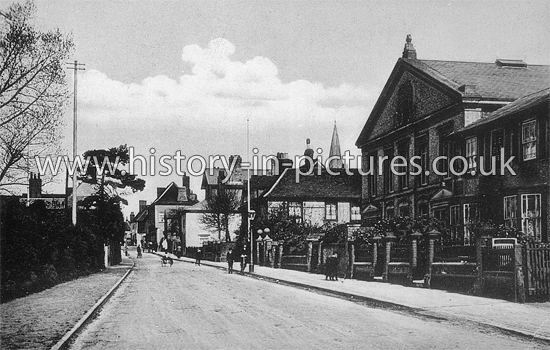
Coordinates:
[32,91]
[221,206]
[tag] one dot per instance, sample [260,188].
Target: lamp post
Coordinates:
[251,215]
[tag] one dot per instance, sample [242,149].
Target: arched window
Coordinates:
[405,110]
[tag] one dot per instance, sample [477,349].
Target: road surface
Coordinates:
[200,307]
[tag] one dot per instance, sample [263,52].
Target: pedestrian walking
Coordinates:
[230,259]
[334,268]
[198,257]
[139,251]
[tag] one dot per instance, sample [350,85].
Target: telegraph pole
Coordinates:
[249,212]
[75,67]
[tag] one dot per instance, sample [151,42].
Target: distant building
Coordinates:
[320,197]
[161,221]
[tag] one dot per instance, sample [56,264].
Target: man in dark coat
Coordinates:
[331,267]
[230,259]
[198,257]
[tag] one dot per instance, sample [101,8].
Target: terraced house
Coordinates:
[475,110]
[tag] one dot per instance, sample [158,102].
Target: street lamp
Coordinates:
[261,240]
[251,216]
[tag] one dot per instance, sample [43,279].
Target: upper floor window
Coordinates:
[404,112]
[330,211]
[295,210]
[444,151]
[405,106]
[388,174]
[403,180]
[422,152]
[529,139]
[355,213]
[370,165]
[497,143]
[471,153]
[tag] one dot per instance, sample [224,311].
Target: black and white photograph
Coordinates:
[278,174]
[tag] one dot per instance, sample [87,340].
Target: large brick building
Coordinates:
[432,108]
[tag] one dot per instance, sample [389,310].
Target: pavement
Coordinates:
[531,320]
[40,320]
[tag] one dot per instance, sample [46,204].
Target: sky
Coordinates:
[187,75]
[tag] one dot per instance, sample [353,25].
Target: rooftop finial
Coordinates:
[409,51]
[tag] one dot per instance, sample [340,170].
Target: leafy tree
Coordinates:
[106,173]
[221,206]
[106,170]
[32,91]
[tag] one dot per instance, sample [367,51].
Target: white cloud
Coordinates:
[218,94]
[205,110]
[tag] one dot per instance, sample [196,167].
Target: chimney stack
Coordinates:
[283,163]
[160,191]
[142,205]
[35,186]
[185,181]
[409,51]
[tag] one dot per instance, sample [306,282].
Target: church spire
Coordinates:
[335,150]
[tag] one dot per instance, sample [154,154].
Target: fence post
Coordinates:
[376,240]
[257,255]
[432,235]
[280,255]
[352,259]
[390,237]
[308,255]
[478,285]
[415,236]
[320,261]
[519,291]
[274,246]
[414,248]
